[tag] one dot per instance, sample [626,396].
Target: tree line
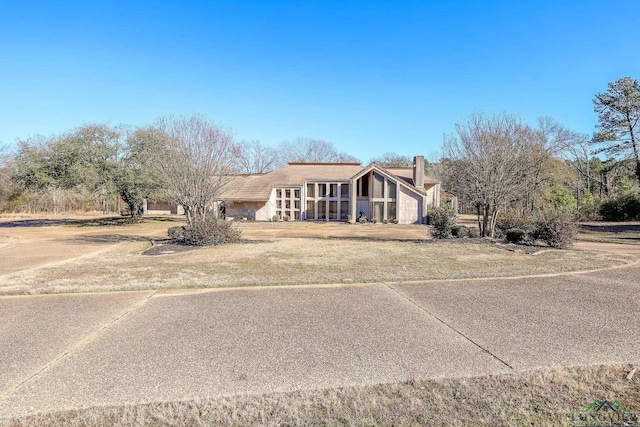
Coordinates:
[98,167]
[496,164]
[499,166]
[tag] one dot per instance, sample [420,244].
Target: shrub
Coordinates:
[622,208]
[498,233]
[460,231]
[474,232]
[238,217]
[211,231]
[511,219]
[176,233]
[362,219]
[515,235]
[555,227]
[442,221]
[285,217]
[275,218]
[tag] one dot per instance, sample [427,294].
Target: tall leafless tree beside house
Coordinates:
[196,160]
[311,150]
[495,159]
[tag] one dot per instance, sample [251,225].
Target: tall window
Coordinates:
[288,203]
[327,201]
[382,197]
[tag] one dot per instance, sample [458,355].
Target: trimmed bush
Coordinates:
[515,235]
[460,231]
[442,221]
[238,217]
[210,232]
[555,227]
[474,232]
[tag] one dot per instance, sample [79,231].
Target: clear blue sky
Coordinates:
[368,76]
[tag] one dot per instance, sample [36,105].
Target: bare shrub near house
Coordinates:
[196,160]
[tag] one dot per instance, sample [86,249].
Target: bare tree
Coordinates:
[394,160]
[311,150]
[196,160]
[496,158]
[256,158]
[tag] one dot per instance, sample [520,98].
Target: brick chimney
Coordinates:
[418,172]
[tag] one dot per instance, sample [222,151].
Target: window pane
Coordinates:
[322,209]
[378,208]
[311,190]
[279,194]
[344,210]
[378,185]
[333,190]
[322,190]
[296,194]
[333,209]
[392,190]
[365,186]
[344,191]
[287,193]
[311,214]
[278,204]
[296,204]
[391,211]
[287,204]
[296,215]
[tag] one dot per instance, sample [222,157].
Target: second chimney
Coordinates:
[418,172]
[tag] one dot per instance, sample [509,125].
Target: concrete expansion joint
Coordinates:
[462,334]
[75,346]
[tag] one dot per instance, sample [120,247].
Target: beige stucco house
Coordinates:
[334,191]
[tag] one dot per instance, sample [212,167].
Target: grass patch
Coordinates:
[534,398]
[291,261]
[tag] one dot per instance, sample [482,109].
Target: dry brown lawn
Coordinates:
[552,397]
[270,255]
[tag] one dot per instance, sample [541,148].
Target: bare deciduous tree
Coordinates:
[196,160]
[394,160]
[256,158]
[311,150]
[496,158]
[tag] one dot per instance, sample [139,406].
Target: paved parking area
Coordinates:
[71,351]
[201,344]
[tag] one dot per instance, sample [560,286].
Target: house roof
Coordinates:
[258,187]
[406,174]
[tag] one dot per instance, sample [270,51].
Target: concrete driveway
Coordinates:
[72,351]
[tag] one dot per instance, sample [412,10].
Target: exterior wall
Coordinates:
[253,211]
[409,208]
[433,196]
[162,208]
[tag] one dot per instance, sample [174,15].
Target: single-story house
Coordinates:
[334,191]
